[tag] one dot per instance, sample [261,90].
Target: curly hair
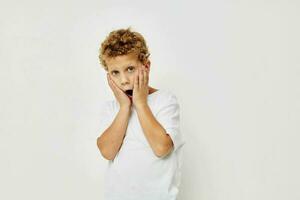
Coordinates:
[123,42]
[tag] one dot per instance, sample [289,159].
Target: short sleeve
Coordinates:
[105,117]
[168,116]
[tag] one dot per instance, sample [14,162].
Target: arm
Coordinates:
[159,140]
[110,141]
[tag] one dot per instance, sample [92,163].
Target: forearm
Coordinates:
[111,139]
[156,135]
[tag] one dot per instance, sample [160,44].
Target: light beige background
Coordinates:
[234,66]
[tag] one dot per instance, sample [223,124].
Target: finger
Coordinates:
[141,78]
[145,77]
[113,85]
[108,80]
[136,80]
[116,87]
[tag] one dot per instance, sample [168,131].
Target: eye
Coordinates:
[131,68]
[114,72]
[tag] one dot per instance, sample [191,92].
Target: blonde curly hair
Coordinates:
[123,42]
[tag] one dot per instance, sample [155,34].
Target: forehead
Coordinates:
[122,61]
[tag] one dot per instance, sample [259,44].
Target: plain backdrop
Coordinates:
[234,66]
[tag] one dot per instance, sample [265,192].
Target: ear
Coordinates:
[147,65]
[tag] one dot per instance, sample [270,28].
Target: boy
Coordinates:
[139,130]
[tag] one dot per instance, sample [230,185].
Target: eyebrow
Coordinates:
[130,65]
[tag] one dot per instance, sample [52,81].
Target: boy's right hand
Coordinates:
[121,97]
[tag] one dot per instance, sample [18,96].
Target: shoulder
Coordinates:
[108,105]
[167,98]
[165,93]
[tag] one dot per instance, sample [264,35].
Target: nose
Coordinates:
[124,80]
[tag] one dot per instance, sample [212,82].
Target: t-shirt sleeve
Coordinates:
[105,117]
[169,117]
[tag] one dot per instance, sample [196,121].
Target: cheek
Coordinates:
[116,81]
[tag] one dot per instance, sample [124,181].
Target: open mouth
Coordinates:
[129,92]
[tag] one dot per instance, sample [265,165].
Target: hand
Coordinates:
[121,97]
[140,87]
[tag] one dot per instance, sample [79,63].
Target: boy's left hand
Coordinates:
[140,87]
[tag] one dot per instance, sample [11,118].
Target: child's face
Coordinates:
[122,69]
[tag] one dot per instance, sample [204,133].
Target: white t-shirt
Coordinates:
[136,173]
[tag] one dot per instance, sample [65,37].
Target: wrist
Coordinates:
[125,107]
[141,105]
